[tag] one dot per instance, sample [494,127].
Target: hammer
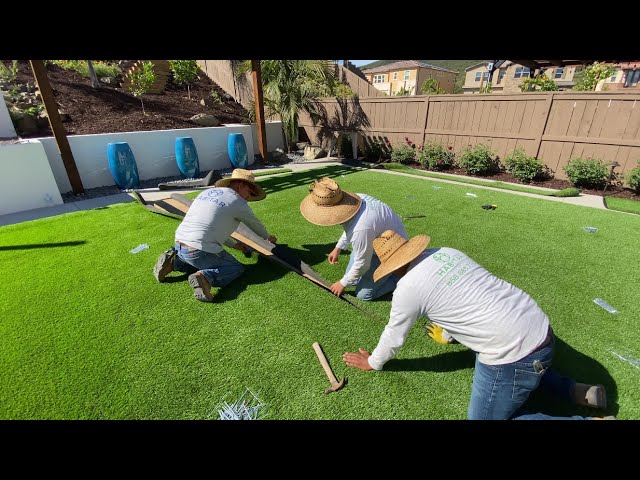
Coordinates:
[335,385]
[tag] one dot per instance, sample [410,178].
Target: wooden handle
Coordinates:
[324,362]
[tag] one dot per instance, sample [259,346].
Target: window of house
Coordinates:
[632,78]
[484,74]
[407,74]
[613,77]
[522,72]
[395,75]
[558,73]
[378,78]
[501,75]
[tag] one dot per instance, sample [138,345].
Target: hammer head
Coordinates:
[336,386]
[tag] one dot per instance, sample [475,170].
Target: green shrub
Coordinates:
[633,178]
[9,74]
[217,98]
[81,67]
[142,79]
[375,149]
[435,156]
[403,153]
[104,70]
[567,192]
[478,160]
[587,172]
[524,167]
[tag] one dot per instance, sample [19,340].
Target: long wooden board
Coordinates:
[177,206]
[274,252]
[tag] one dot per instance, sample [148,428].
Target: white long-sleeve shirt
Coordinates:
[481,311]
[372,219]
[213,216]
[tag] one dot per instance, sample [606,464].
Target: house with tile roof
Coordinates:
[408,76]
[508,77]
[626,78]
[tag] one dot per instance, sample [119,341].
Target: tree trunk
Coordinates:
[95,83]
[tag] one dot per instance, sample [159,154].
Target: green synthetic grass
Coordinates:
[622,205]
[272,172]
[398,167]
[87,333]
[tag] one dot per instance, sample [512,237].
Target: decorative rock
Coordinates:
[205,120]
[312,152]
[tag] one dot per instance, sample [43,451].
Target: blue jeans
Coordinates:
[219,269]
[367,289]
[499,391]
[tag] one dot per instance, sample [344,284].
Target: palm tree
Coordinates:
[346,118]
[291,86]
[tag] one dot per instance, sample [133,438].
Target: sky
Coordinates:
[358,63]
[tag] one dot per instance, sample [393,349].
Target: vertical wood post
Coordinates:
[256,75]
[426,117]
[42,80]
[548,105]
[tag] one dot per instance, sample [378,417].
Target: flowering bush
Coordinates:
[403,153]
[435,156]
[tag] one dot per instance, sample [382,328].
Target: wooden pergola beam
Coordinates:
[256,75]
[50,106]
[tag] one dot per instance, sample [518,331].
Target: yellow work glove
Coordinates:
[438,334]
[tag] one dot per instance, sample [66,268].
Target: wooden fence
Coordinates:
[223,74]
[553,126]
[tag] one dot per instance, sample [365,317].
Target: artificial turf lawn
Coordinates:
[88,333]
[623,205]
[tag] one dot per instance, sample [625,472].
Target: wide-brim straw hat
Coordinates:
[327,204]
[395,252]
[245,176]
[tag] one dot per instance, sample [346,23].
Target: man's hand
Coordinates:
[333,256]
[337,288]
[272,239]
[357,360]
[438,334]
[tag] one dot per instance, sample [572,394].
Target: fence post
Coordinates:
[548,104]
[426,117]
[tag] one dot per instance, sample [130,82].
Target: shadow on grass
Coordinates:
[443,362]
[313,254]
[30,246]
[571,363]
[263,271]
[567,361]
[276,184]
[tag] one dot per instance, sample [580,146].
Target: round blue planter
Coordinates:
[237,149]
[187,157]
[122,165]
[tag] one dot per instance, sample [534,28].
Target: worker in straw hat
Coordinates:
[207,226]
[510,334]
[363,218]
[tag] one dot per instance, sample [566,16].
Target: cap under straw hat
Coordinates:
[327,204]
[248,177]
[395,252]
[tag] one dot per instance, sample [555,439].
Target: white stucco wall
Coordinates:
[274,136]
[154,152]
[27,181]
[6,125]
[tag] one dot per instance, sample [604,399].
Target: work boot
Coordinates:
[590,395]
[164,265]
[201,287]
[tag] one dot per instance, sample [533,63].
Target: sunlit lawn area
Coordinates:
[86,332]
